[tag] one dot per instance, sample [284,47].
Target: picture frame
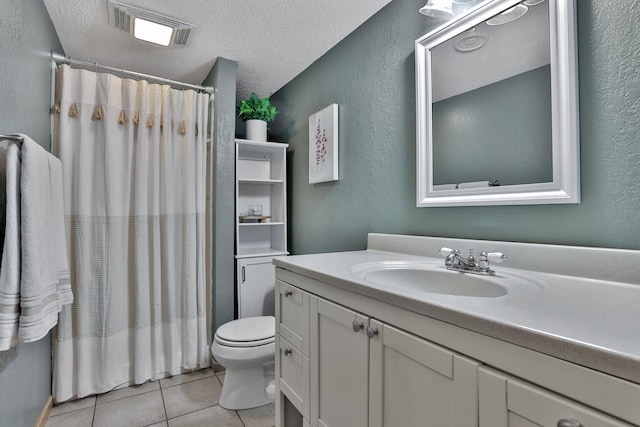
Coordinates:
[323,145]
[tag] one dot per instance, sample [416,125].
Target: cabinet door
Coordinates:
[256,287]
[507,402]
[339,358]
[415,383]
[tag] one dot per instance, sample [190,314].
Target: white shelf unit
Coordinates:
[261,180]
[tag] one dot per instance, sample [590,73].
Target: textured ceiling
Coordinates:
[272,40]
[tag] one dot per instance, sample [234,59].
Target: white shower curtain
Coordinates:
[134,164]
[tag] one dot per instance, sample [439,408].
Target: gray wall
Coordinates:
[505,135]
[370,75]
[223,78]
[26,38]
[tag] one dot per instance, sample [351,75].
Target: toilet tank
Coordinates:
[256,287]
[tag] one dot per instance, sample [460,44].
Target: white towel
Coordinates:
[10,269]
[44,285]
[438,187]
[474,184]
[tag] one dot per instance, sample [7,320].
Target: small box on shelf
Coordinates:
[254,218]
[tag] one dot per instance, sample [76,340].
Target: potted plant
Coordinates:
[256,112]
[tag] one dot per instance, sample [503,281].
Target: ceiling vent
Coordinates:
[149,26]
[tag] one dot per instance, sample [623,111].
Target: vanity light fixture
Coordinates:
[149,26]
[508,15]
[440,9]
[470,40]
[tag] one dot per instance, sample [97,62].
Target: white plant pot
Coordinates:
[256,130]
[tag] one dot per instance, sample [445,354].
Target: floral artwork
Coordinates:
[323,145]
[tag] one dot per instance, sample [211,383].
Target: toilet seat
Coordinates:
[247,332]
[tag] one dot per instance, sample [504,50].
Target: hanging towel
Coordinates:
[10,269]
[44,286]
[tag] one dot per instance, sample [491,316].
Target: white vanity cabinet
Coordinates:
[508,402]
[366,373]
[347,359]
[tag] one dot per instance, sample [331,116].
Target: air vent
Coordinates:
[124,17]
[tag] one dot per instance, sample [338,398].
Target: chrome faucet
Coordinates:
[456,262]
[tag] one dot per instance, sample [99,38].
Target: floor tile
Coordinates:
[162,424]
[193,396]
[74,405]
[127,392]
[221,378]
[81,418]
[213,416]
[217,368]
[185,378]
[135,411]
[263,416]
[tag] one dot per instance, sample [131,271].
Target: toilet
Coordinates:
[246,346]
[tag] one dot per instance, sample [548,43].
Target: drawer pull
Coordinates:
[288,293]
[569,423]
[371,331]
[287,351]
[357,326]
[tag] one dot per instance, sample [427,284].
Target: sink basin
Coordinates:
[419,276]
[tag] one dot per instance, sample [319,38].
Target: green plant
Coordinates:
[255,108]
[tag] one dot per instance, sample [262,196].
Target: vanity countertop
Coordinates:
[588,321]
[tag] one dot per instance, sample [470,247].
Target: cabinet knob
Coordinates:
[357,326]
[288,293]
[287,351]
[569,423]
[371,331]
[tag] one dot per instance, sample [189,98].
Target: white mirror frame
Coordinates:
[565,187]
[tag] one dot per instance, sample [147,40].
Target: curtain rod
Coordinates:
[60,59]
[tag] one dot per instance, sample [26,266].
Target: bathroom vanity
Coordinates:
[389,337]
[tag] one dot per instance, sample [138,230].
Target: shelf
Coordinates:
[260,181]
[256,252]
[259,146]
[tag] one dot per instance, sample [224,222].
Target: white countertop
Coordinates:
[591,322]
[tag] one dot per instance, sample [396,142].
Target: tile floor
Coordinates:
[188,400]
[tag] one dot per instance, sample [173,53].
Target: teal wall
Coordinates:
[223,78]
[26,38]
[498,132]
[370,75]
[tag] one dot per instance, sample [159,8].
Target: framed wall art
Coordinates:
[323,145]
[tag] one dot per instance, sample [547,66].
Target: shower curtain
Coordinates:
[134,166]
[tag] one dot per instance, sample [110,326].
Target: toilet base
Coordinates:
[248,387]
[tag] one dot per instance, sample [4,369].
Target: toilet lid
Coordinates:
[249,332]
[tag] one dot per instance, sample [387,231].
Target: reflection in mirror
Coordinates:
[492,103]
[490,92]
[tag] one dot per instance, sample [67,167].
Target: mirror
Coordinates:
[497,106]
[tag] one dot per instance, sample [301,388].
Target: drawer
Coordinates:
[292,316]
[506,402]
[293,379]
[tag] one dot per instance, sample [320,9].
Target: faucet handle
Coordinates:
[444,251]
[496,257]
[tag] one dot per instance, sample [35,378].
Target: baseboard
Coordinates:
[44,415]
